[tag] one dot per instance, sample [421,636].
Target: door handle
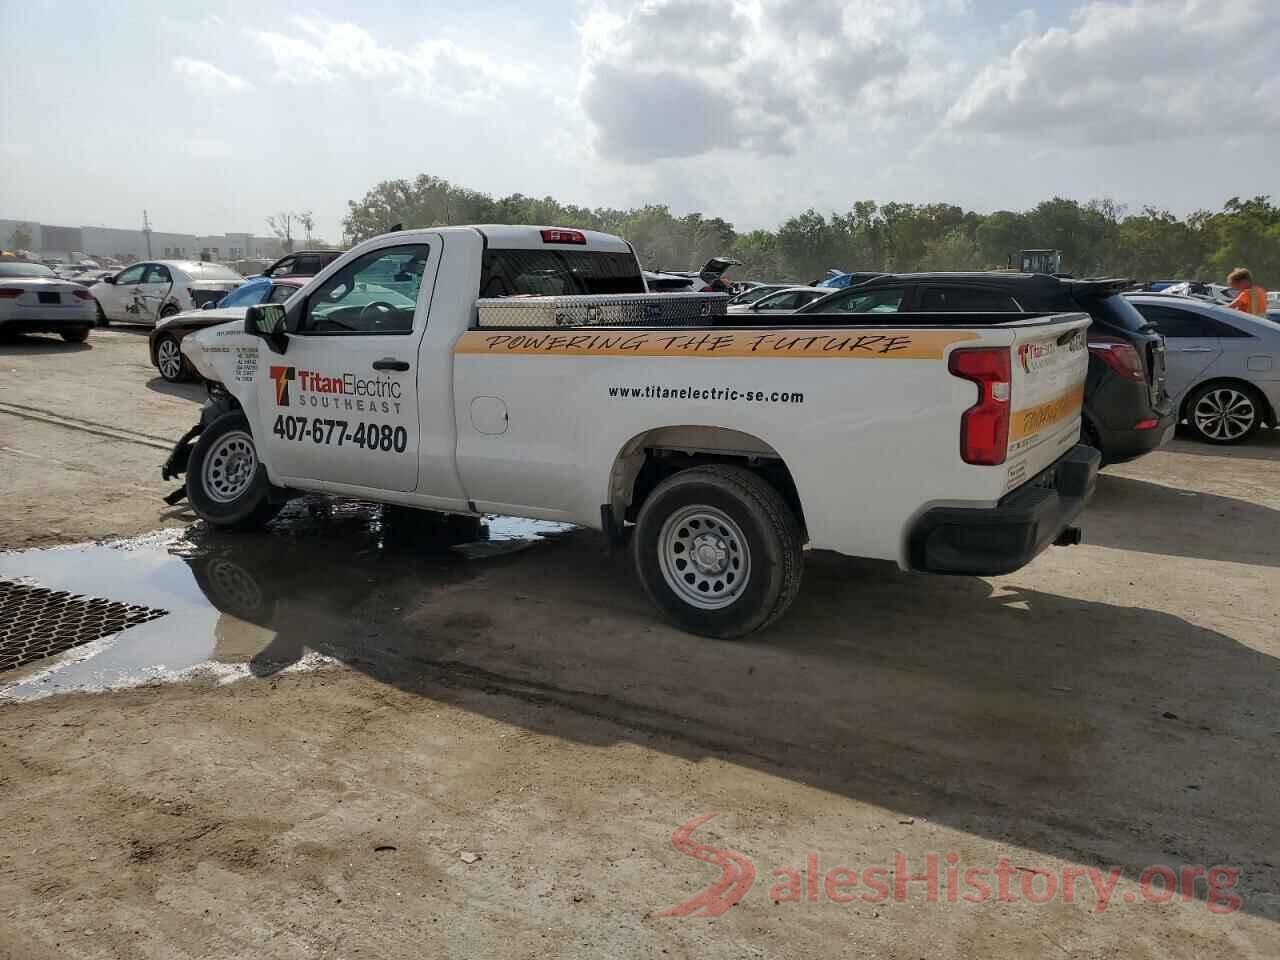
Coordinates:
[1196,349]
[390,363]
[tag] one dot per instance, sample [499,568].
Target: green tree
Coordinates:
[22,239]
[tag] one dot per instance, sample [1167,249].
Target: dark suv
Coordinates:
[303,263]
[1127,411]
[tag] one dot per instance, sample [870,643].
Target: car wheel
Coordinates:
[169,310]
[170,361]
[77,335]
[226,482]
[718,550]
[1224,413]
[102,316]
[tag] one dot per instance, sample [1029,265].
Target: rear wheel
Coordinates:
[718,550]
[169,360]
[76,335]
[169,310]
[1224,413]
[226,482]
[102,316]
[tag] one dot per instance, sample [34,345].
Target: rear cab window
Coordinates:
[957,299]
[558,273]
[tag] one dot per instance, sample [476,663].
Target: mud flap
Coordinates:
[176,465]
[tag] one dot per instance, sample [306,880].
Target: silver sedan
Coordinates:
[1223,365]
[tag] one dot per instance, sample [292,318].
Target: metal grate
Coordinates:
[37,622]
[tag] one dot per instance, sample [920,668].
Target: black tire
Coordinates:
[1240,399]
[249,508]
[773,560]
[102,317]
[169,310]
[163,342]
[76,335]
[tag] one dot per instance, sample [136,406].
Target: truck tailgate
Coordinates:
[1049,365]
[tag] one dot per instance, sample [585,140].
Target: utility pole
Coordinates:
[146,232]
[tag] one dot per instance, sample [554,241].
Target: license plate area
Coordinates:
[50,297]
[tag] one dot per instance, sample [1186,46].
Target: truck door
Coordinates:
[341,404]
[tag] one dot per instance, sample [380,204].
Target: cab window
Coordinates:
[374,294]
[281,292]
[158,273]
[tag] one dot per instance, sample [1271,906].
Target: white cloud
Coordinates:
[203,77]
[681,78]
[1132,72]
[321,51]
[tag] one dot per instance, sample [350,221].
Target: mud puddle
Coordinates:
[308,591]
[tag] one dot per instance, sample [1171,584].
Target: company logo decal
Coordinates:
[282,376]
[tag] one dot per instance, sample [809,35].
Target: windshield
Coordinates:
[1116,310]
[25,270]
[251,294]
[554,273]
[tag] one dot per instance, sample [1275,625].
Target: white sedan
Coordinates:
[781,302]
[34,300]
[154,289]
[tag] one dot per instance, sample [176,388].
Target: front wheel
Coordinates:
[1224,413]
[77,335]
[102,316]
[718,550]
[226,482]
[169,360]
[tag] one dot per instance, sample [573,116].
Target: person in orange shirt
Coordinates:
[1252,297]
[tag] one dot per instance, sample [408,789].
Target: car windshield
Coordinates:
[1116,310]
[751,296]
[25,270]
[251,294]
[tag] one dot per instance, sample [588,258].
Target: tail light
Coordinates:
[82,294]
[1121,357]
[11,293]
[984,428]
[575,237]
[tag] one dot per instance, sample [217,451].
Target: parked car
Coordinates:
[149,291]
[779,302]
[758,291]
[723,450]
[168,334]
[303,263]
[1223,365]
[1127,411]
[706,280]
[33,299]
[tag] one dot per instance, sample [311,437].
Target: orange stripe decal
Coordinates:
[1034,419]
[878,344]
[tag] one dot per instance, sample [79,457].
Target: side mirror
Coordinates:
[267,320]
[109,278]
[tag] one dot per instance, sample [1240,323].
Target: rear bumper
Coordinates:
[49,323]
[1121,445]
[1003,538]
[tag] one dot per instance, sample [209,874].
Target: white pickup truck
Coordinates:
[527,371]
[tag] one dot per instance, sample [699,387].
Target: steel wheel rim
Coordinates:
[1224,414]
[229,467]
[170,358]
[704,557]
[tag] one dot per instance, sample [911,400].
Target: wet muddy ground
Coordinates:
[342,741]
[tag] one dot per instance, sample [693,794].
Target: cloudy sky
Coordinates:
[212,115]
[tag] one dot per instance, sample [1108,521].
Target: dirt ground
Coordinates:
[499,758]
